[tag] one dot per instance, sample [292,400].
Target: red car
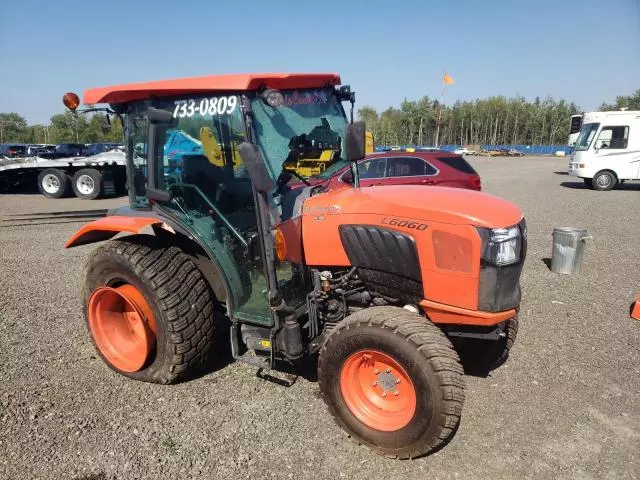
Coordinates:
[404,168]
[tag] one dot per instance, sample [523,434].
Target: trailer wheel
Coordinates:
[87,183]
[149,310]
[392,381]
[53,183]
[604,180]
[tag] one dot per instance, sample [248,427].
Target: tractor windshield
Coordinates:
[304,134]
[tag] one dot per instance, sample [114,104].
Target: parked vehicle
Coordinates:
[387,286]
[96,148]
[465,151]
[574,128]
[38,150]
[87,177]
[437,168]
[607,150]
[13,150]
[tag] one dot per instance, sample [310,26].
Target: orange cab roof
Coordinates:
[218,83]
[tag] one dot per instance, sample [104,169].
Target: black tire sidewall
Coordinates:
[96,176]
[613,183]
[107,270]
[425,422]
[62,178]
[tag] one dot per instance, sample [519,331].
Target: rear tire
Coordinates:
[53,183]
[87,184]
[604,181]
[177,295]
[588,182]
[414,348]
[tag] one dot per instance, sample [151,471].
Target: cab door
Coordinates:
[194,159]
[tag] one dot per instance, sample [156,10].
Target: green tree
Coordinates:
[630,102]
[68,127]
[13,128]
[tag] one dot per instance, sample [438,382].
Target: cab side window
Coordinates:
[613,137]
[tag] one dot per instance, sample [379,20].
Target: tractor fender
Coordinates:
[108,227]
[126,220]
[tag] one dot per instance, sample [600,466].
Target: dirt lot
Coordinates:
[566,404]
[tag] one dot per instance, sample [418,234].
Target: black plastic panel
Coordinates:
[381,249]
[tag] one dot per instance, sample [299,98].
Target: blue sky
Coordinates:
[587,51]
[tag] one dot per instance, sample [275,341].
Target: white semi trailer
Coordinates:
[100,175]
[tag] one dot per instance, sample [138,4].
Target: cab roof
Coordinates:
[213,83]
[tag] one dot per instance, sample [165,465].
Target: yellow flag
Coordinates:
[447,79]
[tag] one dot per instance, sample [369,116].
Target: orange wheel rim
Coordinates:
[377,390]
[122,325]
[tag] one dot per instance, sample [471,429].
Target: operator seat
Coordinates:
[197,170]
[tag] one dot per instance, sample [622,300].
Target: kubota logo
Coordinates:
[396,222]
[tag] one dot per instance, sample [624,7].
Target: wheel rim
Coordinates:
[50,183]
[123,326]
[85,184]
[604,180]
[377,390]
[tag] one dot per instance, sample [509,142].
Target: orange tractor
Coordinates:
[388,287]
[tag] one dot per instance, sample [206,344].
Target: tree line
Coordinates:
[63,128]
[493,121]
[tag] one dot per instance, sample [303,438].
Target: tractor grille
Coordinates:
[382,250]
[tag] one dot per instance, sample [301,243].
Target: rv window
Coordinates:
[613,137]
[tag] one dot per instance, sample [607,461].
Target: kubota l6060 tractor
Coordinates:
[389,286]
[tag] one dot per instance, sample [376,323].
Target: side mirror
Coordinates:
[157,115]
[256,167]
[354,142]
[347,177]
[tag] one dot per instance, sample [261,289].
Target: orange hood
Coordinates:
[436,204]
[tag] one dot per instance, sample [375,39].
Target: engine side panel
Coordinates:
[449,269]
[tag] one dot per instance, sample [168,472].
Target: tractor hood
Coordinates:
[436,204]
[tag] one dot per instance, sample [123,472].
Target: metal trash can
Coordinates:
[568,249]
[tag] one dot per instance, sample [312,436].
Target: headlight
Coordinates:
[501,246]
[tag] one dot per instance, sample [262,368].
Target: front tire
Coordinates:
[392,380]
[604,181]
[148,309]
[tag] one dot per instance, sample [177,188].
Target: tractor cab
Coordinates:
[185,163]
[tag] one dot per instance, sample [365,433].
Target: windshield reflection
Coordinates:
[587,132]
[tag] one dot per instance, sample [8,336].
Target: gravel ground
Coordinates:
[565,405]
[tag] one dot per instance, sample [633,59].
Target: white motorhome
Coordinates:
[607,150]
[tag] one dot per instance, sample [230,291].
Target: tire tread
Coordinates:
[432,344]
[181,292]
